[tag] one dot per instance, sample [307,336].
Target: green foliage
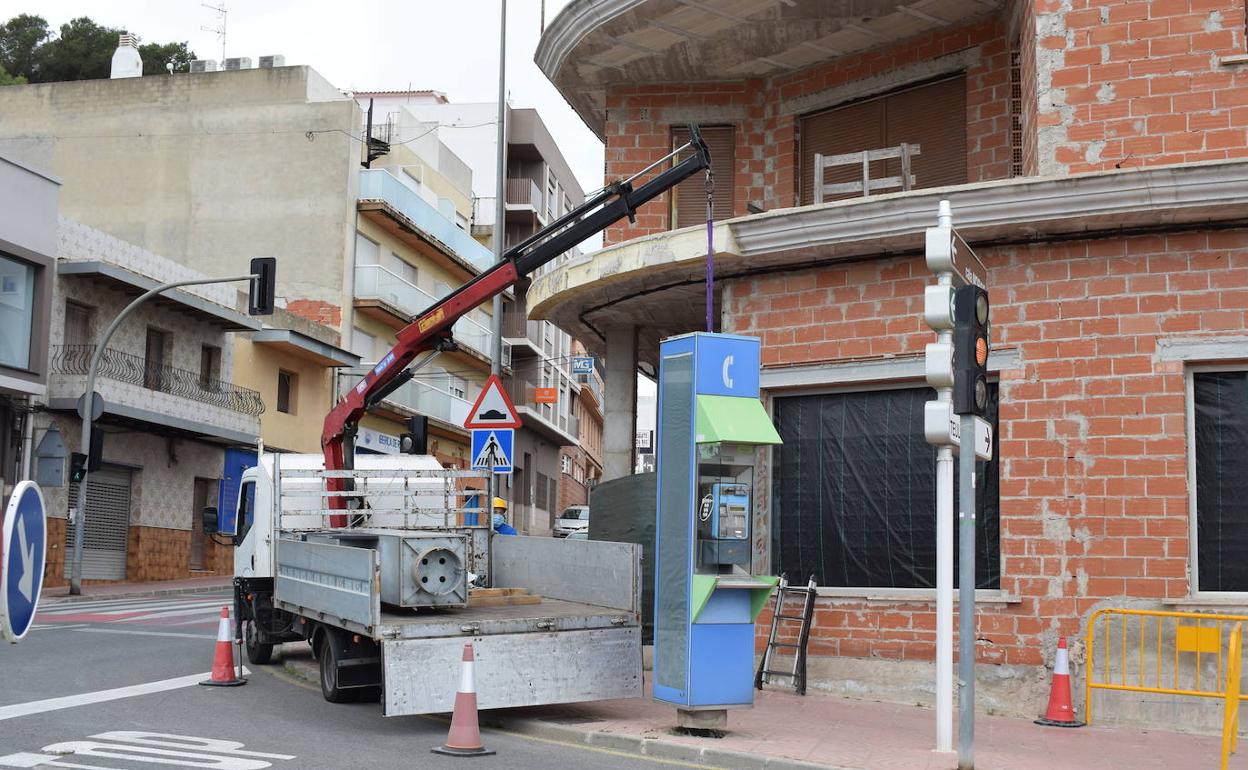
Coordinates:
[10,80]
[20,38]
[83,50]
[157,55]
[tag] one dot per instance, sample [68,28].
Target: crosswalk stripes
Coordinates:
[187,610]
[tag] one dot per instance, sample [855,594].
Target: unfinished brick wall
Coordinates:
[640,118]
[1094,505]
[1132,83]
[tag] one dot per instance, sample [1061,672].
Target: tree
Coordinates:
[84,51]
[20,39]
[10,80]
[157,55]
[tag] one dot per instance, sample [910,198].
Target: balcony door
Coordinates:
[154,359]
[932,115]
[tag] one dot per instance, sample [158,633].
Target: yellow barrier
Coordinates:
[1190,634]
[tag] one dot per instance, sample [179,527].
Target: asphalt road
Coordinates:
[60,704]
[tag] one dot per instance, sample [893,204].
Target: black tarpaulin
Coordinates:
[855,492]
[1220,401]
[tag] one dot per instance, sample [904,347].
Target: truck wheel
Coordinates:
[258,653]
[330,654]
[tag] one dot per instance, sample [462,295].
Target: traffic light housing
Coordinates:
[416,440]
[80,465]
[970,350]
[263,285]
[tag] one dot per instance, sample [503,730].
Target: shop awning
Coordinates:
[733,420]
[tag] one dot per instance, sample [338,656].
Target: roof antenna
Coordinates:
[218,30]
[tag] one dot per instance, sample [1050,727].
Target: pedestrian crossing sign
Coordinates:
[491,448]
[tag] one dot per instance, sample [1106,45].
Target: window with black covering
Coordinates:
[1220,448]
[855,492]
[689,198]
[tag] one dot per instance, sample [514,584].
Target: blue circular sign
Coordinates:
[25,541]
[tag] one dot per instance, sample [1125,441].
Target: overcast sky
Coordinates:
[367,45]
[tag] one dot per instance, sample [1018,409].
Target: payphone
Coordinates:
[710,427]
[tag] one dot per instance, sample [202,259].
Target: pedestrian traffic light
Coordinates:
[416,440]
[263,285]
[970,351]
[80,464]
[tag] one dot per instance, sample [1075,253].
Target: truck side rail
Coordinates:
[394,499]
[594,572]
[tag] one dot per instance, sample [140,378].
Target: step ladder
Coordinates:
[796,677]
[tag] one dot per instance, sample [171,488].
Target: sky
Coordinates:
[444,45]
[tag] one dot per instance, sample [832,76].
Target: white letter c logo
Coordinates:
[726,375]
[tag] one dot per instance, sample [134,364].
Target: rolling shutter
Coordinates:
[689,207]
[108,525]
[932,116]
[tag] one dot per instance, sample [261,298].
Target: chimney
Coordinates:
[126,60]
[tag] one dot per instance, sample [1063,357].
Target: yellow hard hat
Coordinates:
[500,503]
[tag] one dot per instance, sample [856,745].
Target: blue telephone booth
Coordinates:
[710,427]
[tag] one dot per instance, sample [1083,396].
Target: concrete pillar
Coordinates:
[619,424]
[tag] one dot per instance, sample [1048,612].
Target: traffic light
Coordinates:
[416,440]
[970,351]
[80,464]
[263,286]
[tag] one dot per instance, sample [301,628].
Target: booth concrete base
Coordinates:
[702,719]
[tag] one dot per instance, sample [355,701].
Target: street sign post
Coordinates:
[492,448]
[24,537]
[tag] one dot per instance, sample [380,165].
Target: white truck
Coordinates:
[388,601]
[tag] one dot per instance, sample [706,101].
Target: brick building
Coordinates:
[1093,154]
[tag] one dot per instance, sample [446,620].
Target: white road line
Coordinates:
[56,627]
[214,610]
[143,607]
[89,630]
[100,696]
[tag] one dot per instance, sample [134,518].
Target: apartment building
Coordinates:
[1094,158]
[28,196]
[580,465]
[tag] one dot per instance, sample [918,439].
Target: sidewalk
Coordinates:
[60,594]
[785,731]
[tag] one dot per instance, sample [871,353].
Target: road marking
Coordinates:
[90,630]
[56,627]
[87,608]
[100,696]
[148,748]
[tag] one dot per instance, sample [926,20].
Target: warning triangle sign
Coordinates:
[493,408]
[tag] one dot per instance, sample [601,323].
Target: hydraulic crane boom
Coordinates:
[431,330]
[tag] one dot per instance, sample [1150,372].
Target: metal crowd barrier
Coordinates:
[1196,639]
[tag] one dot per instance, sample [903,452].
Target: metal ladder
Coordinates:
[798,675]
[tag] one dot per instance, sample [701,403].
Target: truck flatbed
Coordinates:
[549,615]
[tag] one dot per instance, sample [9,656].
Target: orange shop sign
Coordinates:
[545,395]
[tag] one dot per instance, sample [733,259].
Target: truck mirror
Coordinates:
[209,517]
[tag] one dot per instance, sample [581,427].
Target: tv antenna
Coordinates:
[218,30]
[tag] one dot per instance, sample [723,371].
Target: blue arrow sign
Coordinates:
[25,540]
[491,447]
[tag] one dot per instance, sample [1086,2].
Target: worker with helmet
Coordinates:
[500,518]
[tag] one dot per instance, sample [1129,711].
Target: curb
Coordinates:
[658,748]
[69,599]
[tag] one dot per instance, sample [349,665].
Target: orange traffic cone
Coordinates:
[1060,712]
[464,739]
[223,662]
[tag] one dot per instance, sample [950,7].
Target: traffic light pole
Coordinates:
[966,595]
[80,514]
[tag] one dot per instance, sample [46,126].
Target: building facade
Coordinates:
[580,466]
[1093,159]
[28,245]
[170,410]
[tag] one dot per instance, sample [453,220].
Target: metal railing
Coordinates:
[905,180]
[137,370]
[524,192]
[381,185]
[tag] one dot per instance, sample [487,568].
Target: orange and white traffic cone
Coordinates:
[223,662]
[464,739]
[1060,712]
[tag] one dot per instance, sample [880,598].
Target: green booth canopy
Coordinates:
[733,420]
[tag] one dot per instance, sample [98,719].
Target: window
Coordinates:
[209,367]
[78,320]
[457,386]
[246,508]
[17,307]
[401,268]
[578,473]
[1220,499]
[932,116]
[689,200]
[540,500]
[565,464]
[363,344]
[287,385]
[154,374]
[855,484]
[366,251]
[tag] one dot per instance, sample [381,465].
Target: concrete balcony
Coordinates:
[524,202]
[416,397]
[394,301]
[135,390]
[405,214]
